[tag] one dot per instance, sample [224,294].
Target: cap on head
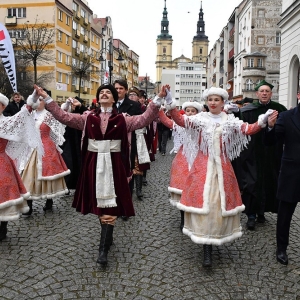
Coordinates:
[108,87]
[134,90]
[194,104]
[215,91]
[263,82]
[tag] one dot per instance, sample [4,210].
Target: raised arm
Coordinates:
[165,120]
[140,121]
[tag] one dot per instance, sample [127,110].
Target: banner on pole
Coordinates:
[7,56]
[105,76]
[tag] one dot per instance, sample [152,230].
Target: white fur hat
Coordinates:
[3,99]
[215,91]
[194,104]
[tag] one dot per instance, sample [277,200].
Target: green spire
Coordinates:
[164,33]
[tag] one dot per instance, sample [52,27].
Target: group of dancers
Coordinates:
[203,185]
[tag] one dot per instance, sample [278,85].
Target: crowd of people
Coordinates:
[104,152]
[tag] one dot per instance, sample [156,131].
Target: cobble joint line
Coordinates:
[53,255]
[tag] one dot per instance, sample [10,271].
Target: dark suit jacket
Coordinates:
[130,107]
[12,108]
[287,130]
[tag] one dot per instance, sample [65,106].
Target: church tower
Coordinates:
[164,46]
[200,41]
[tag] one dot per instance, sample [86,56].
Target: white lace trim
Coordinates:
[22,135]
[201,125]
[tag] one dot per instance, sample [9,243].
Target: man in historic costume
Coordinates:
[259,164]
[102,188]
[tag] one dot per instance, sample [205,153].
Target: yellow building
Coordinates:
[164,44]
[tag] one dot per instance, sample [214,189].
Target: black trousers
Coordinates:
[284,217]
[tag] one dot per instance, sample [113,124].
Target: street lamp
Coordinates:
[110,50]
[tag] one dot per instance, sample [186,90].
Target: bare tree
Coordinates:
[84,68]
[35,43]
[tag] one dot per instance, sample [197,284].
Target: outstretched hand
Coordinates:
[40,92]
[163,92]
[272,119]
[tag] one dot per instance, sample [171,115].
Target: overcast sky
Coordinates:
[137,24]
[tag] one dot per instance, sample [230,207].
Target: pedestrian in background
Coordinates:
[15,105]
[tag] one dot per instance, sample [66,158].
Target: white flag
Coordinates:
[7,56]
[105,76]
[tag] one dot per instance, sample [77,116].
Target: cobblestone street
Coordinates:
[53,255]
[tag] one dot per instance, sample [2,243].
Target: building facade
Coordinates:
[188,80]
[248,50]
[290,53]
[81,39]
[164,43]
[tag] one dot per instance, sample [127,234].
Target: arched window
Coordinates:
[249,85]
[164,50]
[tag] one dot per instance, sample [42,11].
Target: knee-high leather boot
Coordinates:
[207,257]
[138,186]
[105,243]
[29,203]
[3,230]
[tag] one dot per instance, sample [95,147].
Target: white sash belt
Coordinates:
[141,146]
[105,188]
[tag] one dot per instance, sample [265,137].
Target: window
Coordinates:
[82,30]
[83,13]
[59,56]
[177,91]
[260,40]
[201,50]
[278,38]
[250,62]
[17,12]
[177,83]
[249,84]
[59,35]
[68,20]
[75,6]
[177,75]
[261,13]
[75,25]
[74,44]
[259,63]
[67,39]
[60,15]
[67,60]
[59,76]
[164,50]
[67,79]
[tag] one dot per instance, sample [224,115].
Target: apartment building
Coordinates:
[189,81]
[81,39]
[248,50]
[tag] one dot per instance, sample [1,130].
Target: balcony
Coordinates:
[77,14]
[86,21]
[231,54]
[77,33]
[231,35]
[10,20]
[85,90]
[85,38]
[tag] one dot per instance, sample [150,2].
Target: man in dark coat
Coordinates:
[132,108]
[14,106]
[287,131]
[259,165]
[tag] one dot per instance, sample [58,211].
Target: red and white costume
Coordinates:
[44,177]
[17,133]
[211,198]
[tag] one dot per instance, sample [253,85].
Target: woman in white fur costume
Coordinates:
[44,177]
[211,198]
[17,134]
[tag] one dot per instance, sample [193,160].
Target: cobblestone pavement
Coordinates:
[52,256]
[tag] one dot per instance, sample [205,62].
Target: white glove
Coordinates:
[231,107]
[266,115]
[158,101]
[34,96]
[168,98]
[67,105]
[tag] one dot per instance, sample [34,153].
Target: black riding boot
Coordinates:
[138,186]
[145,182]
[105,243]
[181,219]
[29,203]
[3,230]
[207,259]
[48,205]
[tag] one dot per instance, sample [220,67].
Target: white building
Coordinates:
[290,52]
[187,82]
